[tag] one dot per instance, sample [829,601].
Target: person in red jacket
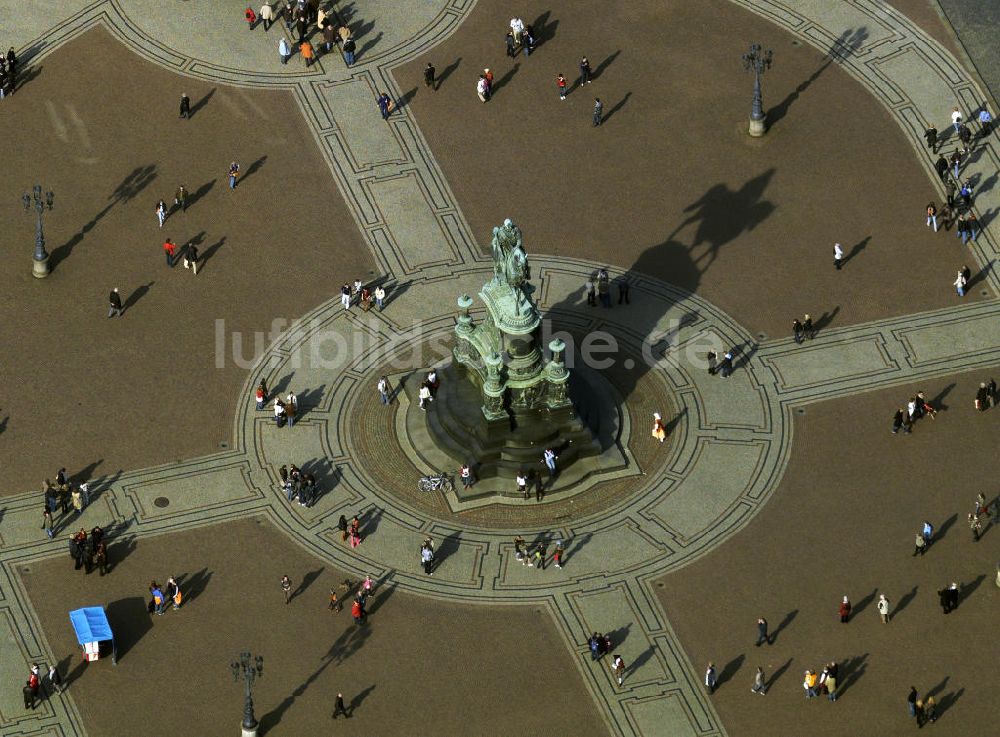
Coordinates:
[561,85]
[845,610]
[251,17]
[169,248]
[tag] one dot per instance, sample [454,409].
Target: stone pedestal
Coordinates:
[758,127]
[40,267]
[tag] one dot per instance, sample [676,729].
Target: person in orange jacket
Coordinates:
[307,52]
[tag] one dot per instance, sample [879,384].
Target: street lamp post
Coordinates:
[249,671]
[40,264]
[759,61]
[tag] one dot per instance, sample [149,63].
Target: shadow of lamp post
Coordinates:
[249,671]
[40,265]
[759,61]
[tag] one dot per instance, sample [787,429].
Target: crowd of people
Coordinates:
[298,485]
[8,73]
[916,408]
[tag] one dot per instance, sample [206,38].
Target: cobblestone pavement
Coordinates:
[728,450]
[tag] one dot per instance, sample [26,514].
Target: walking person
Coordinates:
[838,256]
[561,86]
[384,103]
[598,111]
[185,106]
[307,52]
[965,136]
[831,682]
[47,521]
[424,395]
[429,80]
[960,283]
[115,304]
[379,297]
[932,215]
[659,430]
[975,526]
[338,707]
[585,72]
[759,685]
[234,172]
[956,119]
[710,678]
[971,226]
[984,122]
[931,136]
[522,484]
[883,608]
[465,473]
[540,551]
[762,635]
[251,17]
[482,89]
[557,557]
[285,52]
[807,327]
[549,459]
[809,684]
[618,667]
[191,258]
[797,330]
[161,212]
[54,680]
[427,559]
[169,249]
[180,198]
[267,15]
[919,545]
[383,389]
[956,161]
[911,701]
[845,610]
[350,47]
[286,587]
[345,296]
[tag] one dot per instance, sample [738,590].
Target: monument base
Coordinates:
[758,127]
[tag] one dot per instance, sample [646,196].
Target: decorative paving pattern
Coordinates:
[405,208]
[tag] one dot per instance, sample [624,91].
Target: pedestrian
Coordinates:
[285,52]
[482,89]
[762,635]
[379,297]
[831,683]
[561,86]
[927,532]
[962,229]
[930,710]
[54,680]
[797,330]
[591,289]
[191,258]
[185,106]
[267,15]
[965,136]
[931,135]
[976,526]
[47,521]
[349,48]
[175,595]
[180,198]
[355,532]
[919,545]
[911,701]
[932,215]
[234,171]
[488,76]
[598,115]
[517,29]
[528,40]
[618,667]
[34,683]
[956,119]
[759,685]
[77,501]
[291,407]
[659,431]
[424,395]
[157,593]
[845,610]
[604,287]
[522,483]
[984,125]
[710,679]
[966,194]
[809,684]
[949,190]
[883,608]
[338,707]
[169,249]
[623,290]
[307,52]
[982,402]
[286,587]
[384,105]
[960,284]
[549,459]
[383,389]
[540,551]
[807,327]
[982,508]
[971,226]
[585,72]
[941,165]
[838,256]
[251,17]
[345,296]
[115,304]
[465,473]
[358,612]
[429,80]
[956,161]
[161,211]
[557,557]
[726,365]
[427,559]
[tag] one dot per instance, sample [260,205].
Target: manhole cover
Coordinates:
[161,501]
[659,584]
[800,410]
[223,445]
[983,293]
[26,570]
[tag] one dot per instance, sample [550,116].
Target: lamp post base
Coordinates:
[251,732]
[40,269]
[757,127]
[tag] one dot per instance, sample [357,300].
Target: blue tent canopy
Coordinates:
[91,625]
